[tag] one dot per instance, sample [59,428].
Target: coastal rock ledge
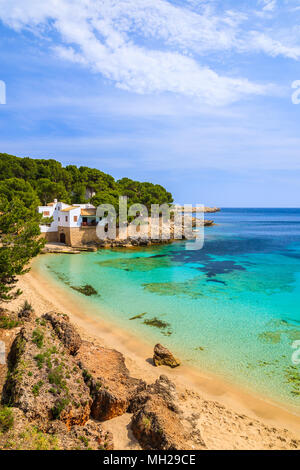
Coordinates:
[163,357]
[108,378]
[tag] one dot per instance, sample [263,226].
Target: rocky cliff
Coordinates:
[56,390]
[59,391]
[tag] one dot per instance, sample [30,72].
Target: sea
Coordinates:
[231,308]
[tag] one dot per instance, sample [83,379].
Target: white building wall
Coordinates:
[66,219]
[44,210]
[61,218]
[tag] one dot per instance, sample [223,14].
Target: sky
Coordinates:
[195,95]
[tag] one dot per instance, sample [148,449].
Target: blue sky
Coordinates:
[194,94]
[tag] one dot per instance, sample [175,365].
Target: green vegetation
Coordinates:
[26,310]
[26,183]
[59,406]
[19,240]
[146,422]
[6,419]
[43,358]
[31,438]
[38,338]
[8,323]
[36,388]
[40,181]
[56,377]
[84,440]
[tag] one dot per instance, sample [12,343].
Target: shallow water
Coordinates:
[232,308]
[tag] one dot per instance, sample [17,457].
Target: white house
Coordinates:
[70,223]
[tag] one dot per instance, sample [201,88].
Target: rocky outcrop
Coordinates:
[204,209]
[26,312]
[23,434]
[7,337]
[109,381]
[64,330]
[156,422]
[91,436]
[44,380]
[8,320]
[45,400]
[162,356]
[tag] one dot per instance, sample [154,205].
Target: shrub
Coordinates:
[59,407]
[7,323]
[36,388]
[26,310]
[38,338]
[6,419]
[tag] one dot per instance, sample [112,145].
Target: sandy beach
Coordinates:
[229,418]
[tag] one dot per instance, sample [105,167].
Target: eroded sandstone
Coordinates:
[44,380]
[65,331]
[109,380]
[156,422]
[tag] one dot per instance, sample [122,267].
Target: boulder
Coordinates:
[163,388]
[156,422]
[65,331]
[162,356]
[107,376]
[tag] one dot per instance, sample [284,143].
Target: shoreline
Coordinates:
[38,289]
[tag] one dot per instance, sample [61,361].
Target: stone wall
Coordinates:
[64,235]
[84,236]
[78,236]
[50,236]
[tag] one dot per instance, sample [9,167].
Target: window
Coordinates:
[66,218]
[46,213]
[75,218]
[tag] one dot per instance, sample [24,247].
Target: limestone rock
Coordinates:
[43,380]
[65,331]
[156,421]
[163,388]
[91,436]
[162,356]
[24,434]
[107,376]
[26,312]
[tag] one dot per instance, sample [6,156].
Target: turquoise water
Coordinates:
[232,308]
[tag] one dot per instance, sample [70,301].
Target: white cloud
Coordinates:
[150,46]
[269,5]
[272,47]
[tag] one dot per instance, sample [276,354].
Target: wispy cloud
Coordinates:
[145,46]
[269,5]
[273,47]
[154,46]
